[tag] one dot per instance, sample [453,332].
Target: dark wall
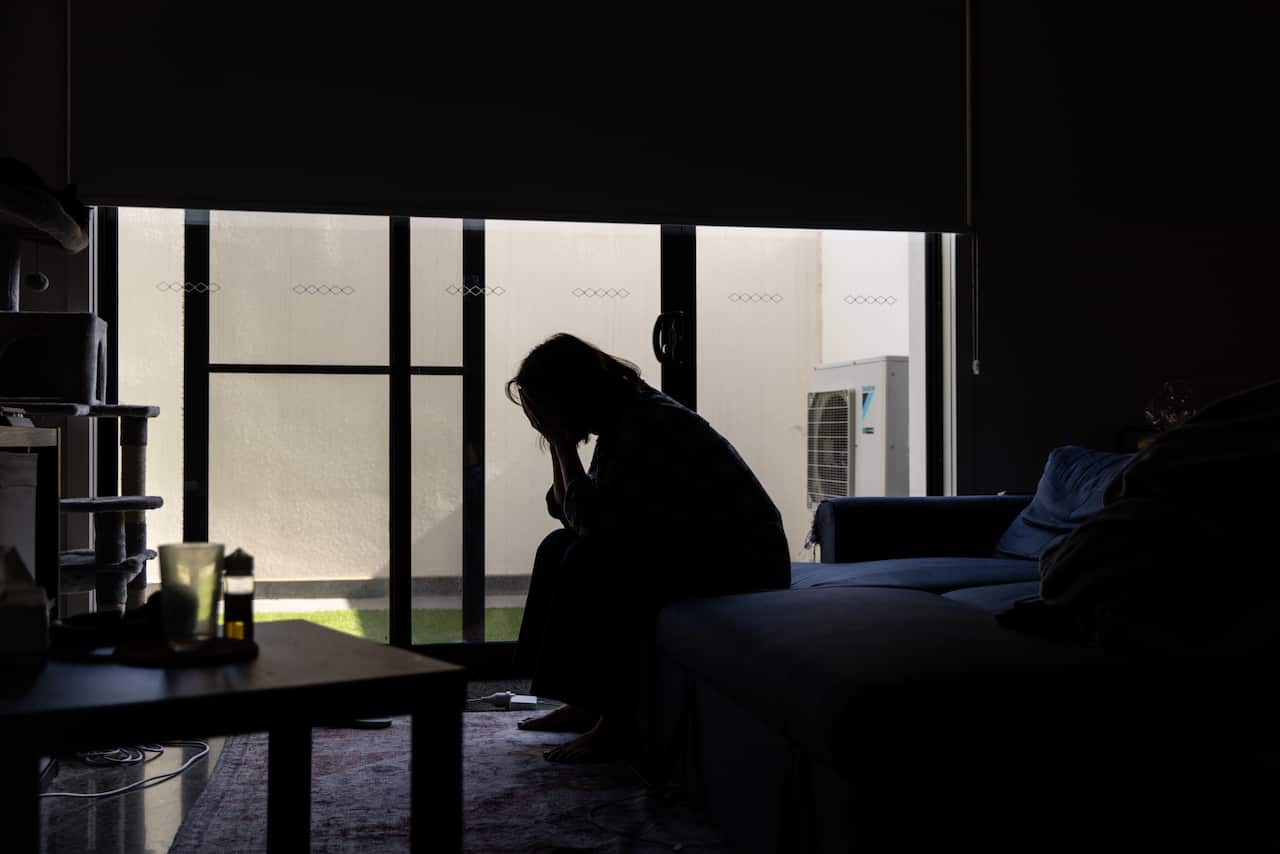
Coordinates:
[1125,189]
[33,92]
[33,87]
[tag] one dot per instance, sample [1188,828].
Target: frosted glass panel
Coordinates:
[437,509]
[298,288]
[149,336]
[772,305]
[600,282]
[436,287]
[298,477]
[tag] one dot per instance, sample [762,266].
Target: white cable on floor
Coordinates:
[130,755]
[127,755]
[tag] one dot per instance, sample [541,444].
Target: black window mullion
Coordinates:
[933,368]
[195,377]
[255,368]
[355,370]
[107,278]
[400,559]
[436,371]
[679,265]
[966,355]
[473,427]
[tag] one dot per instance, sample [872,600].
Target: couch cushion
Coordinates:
[934,574]
[1070,490]
[995,598]
[840,671]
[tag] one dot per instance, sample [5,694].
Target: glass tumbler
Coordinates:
[191,588]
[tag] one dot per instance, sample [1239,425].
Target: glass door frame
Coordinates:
[675,346]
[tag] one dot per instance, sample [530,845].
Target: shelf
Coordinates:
[45,407]
[120,410]
[80,558]
[111,504]
[92,410]
[80,570]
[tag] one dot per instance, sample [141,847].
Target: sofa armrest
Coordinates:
[856,529]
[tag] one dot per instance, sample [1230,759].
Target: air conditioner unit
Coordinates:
[858,429]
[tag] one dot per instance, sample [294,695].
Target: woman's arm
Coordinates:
[555,495]
[568,463]
[583,511]
[557,476]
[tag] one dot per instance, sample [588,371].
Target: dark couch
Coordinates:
[886,699]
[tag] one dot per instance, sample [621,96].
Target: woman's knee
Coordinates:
[553,547]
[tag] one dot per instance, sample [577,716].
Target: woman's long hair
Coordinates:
[570,377]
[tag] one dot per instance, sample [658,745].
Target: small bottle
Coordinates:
[237,597]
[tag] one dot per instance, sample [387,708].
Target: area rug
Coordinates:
[513,799]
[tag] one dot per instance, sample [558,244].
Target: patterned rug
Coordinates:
[513,799]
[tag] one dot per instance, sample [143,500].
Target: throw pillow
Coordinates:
[1070,491]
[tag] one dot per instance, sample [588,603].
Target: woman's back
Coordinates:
[667,480]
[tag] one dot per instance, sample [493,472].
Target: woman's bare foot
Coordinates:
[602,743]
[563,719]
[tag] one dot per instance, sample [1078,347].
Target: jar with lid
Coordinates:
[237,596]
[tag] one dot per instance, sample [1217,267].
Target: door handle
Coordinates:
[668,331]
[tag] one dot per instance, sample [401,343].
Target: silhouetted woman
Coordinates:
[668,510]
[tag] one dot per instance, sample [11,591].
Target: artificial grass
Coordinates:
[430,625]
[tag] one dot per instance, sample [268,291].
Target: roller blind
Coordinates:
[799,117]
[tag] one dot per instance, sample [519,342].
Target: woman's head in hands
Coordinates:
[570,389]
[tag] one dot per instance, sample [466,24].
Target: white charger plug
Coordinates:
[502,699]
[509,700]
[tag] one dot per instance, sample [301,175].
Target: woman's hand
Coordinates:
[527,408]
[545,422]
[568,463]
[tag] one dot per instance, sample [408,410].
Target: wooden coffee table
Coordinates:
[304,675]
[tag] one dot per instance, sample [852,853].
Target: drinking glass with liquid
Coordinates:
[190,581]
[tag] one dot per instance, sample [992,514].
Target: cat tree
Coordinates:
[54,364]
